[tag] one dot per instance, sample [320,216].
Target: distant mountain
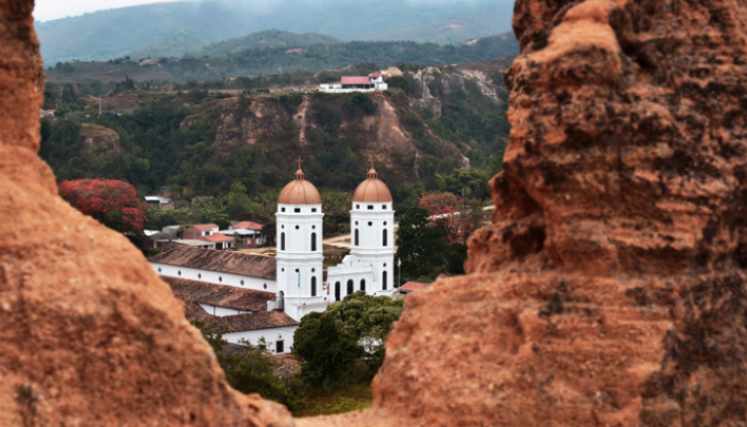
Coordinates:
[266,40]
[485,21]
[285,59]
[169,29]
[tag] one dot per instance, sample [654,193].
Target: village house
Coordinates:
[208,233]
[348,84]
[247,234]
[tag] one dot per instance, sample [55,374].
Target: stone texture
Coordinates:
[610,289]
[88,333]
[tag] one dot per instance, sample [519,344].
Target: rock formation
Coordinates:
[88,333]
[610,289]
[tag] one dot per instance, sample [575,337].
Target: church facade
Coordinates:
[302,285]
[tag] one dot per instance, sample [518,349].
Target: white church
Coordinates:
[255,297]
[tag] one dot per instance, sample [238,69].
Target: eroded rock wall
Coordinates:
[610,289]
[89,335]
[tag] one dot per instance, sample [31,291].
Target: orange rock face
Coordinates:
[610,289]
[88,333]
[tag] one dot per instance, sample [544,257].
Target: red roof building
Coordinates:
[247,225]
[411,287]
[355,81]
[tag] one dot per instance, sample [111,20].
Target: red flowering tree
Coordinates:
[446,210]
[113,203]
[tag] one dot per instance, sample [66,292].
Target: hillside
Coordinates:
[174,27]
[189,46]
[284,59]
[200,143]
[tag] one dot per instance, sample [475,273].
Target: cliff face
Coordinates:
[610,289]
[88,333]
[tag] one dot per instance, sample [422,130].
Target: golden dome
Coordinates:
[300,192]
[372,190]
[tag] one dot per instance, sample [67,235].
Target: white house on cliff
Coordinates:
[350,84]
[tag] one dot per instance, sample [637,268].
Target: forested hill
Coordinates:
[284,59]
[186,26]
[188,46]
[423,133]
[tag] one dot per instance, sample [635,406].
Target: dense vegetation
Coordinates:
[179,27]
[279,59]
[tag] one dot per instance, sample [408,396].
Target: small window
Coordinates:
[266,283]
[385,238]
[370,207]
[313,242]
[384,222]
[297,210]
[313,270]
[357,238]
[279,347]
[297,227]
[383,279]
[282,241]
[159,269]
[313,227]
[313,209]
[313,286]
[199,276]
[363,285]
[383,207]
[282,209]
[180,272]
[220,279]
[242,283]
[282,226]
[337,291]
[357,206]
[356,222]
[282,270]
[370,223]
[351,286]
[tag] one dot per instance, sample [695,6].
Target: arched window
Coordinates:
[313,286]
[313,242]
[383,279]
[337,291]
[385,238]
[363,285]
[282,241]
[357,238]
[351,286]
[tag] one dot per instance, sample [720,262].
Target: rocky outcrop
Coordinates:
[89,335]
[610,289]
[100,140]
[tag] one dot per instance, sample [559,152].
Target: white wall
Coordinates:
[221,311]
[271,336]
[227,279]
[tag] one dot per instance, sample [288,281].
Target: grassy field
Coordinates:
[342,399]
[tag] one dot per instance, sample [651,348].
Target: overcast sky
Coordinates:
[47,10]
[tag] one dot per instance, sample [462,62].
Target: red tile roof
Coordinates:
[216,238]
[347,80]
[248,225]
[412,286]
[375,74]
[237,323]
[220,295]
[220,261]
[205,227]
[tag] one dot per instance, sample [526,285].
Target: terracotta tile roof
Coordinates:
[412,286]
[239,322]
[248,225]
[221,296]
[205,227]
[219,261]
[349,80]
[217,238]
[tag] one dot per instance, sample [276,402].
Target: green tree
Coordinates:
[335,342]
[326,348]
[421,246]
